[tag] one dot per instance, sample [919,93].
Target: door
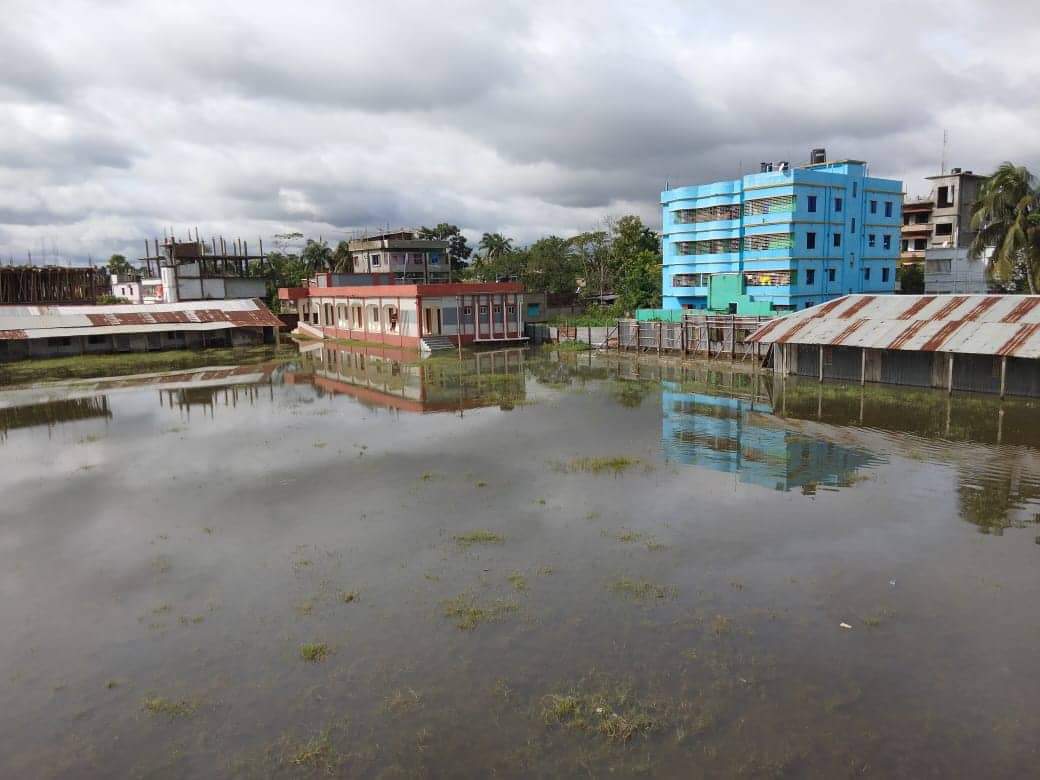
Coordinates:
[432,320]
[483,317]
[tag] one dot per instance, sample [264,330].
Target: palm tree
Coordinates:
[495,245]
[1006,216]
[317,255]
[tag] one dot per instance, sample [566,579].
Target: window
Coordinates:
[690,280]
[884,274]
[768,241]
[831,275]
[812,204]
[920,244]
[873,207]
[944,229]
[769,278]
[944,199]
[375,260]
[921,219]
[888,208]
[866,273]
[497,309]
[483,311]
[810,240]
[810,276]
[435,259]
[97,339]
[886,242]
[707,214]
[871,239]
[373,314]
[905,245]
[714,246]
[837,205]
[937,266]
[467,311]
[855,188]
[837,239]
[778,204]
[853,225]
[511,310]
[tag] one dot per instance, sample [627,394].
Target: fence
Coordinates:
[709,336]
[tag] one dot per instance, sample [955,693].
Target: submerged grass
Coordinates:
[611,712]
[314,652]
[468,612]
[641,590]
[157,705]
[482,536]
[615,464]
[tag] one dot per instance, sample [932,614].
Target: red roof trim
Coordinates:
[856,307]
[917,305]
[936,341]
[1025,332]
[1022,309]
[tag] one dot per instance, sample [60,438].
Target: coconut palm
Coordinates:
[495,245]
[1006,216]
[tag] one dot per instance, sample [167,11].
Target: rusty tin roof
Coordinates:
[969,324]
[30,322]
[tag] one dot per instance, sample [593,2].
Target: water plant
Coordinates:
[157,705]
[615,464]
[640,590]
[314,652]
[478,537]
[469,613]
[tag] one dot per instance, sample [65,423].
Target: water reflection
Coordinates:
[52,413]
[740,436]
[390,378]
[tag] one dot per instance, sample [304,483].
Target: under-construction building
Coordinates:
[51,285]
[177,271]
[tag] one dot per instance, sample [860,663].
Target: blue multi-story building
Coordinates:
[781,239]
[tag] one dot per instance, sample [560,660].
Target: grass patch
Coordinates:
[402,701]
[314,652]
[612,712]
[641,590]
[122,364]
[615,465]
[468,613]
[317,754]
[349,596]
[467,540]
[157,705]
[518,581]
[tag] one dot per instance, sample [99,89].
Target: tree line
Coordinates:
[624,259]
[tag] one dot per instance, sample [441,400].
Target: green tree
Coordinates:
[458,250]
[639,282]
[636,261]
[317,255]
[551,266]
[118,264]
[495,245]
[341,260]
[911,279]
[1006,216]
[592,250]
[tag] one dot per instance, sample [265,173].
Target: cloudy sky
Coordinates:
[254,118]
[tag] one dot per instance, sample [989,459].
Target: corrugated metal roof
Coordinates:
[969,324]
[30,322]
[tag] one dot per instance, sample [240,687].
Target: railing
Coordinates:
[715,336]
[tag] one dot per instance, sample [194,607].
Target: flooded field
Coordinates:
[532,564]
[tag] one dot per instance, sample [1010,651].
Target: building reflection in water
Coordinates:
[52,413]
[396,379]
[740,435]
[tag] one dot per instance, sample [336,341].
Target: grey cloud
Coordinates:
[117,118]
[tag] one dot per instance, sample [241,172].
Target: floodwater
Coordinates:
[539,565]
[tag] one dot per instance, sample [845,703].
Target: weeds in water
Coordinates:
[878,617]
[349,596]
[518,581]
[478,537]
[468,613]
[641,590]
[545,571]
[721,626]
[161,564]
[614,713]
[317,754]
[184,708]
[403,701]
[614,465]
[162,609]
[481,484]
[314,652]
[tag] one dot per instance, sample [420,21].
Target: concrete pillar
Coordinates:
[862,368]
[1003,376]
[949,377]
[821,363]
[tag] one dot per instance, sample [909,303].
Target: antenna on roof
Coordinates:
[942,161]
